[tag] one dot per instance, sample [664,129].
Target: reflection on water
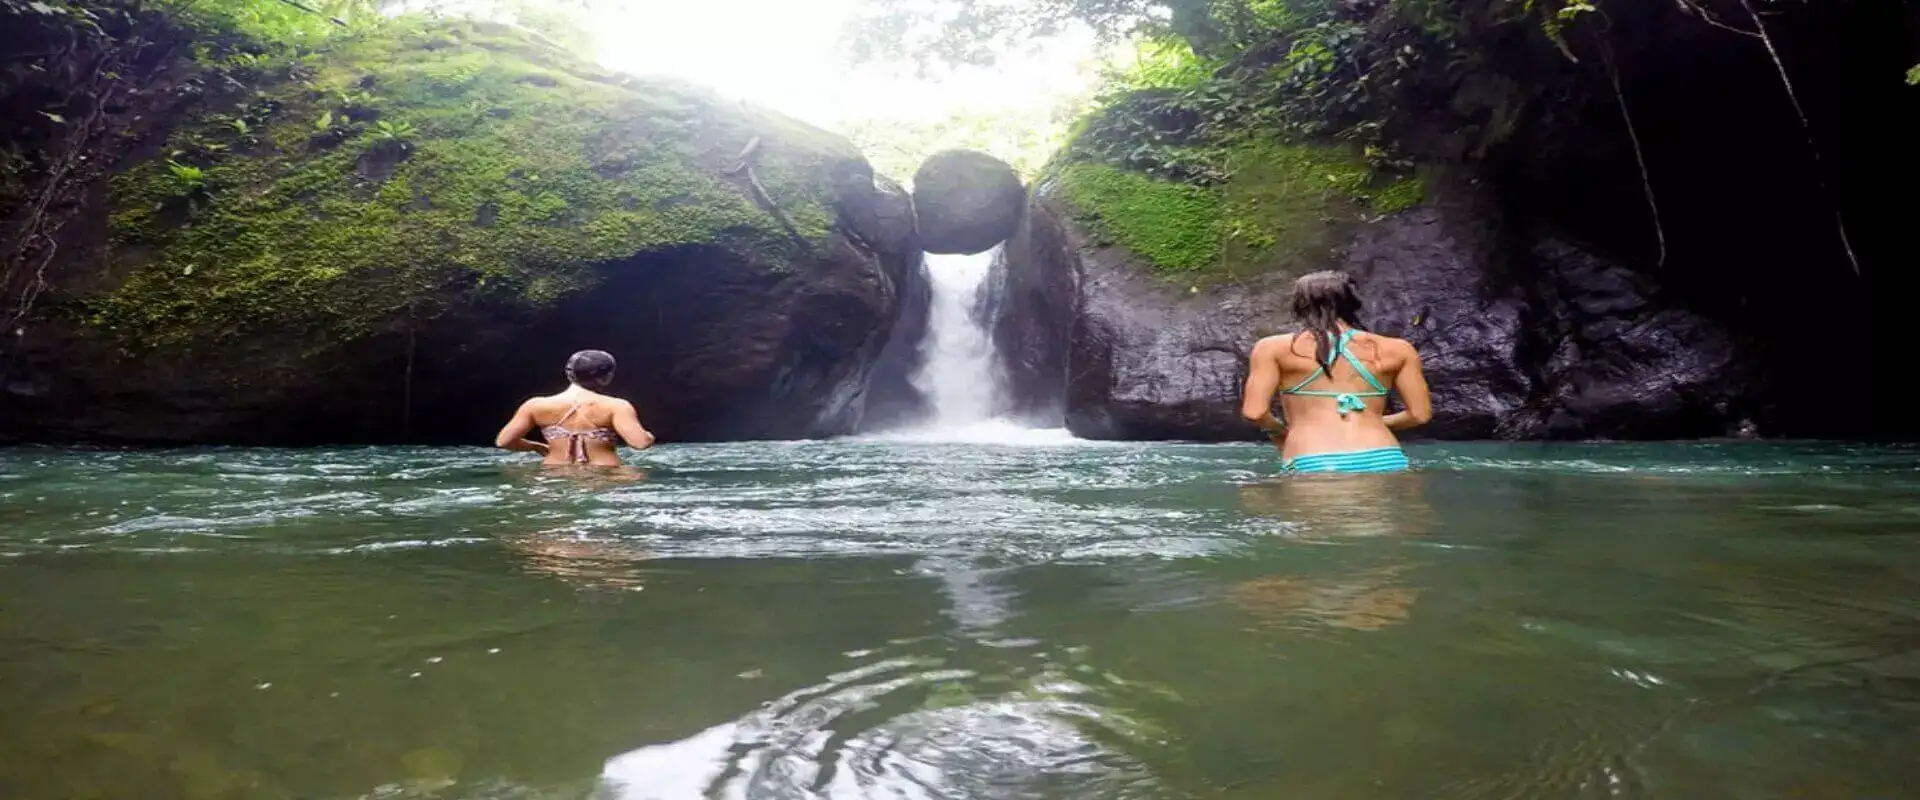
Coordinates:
[1327,509]
[1331,506]
[958,620]
[584,560]
[976,599]
[1363,601]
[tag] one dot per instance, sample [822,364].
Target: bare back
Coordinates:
[1337,409]
[580,426]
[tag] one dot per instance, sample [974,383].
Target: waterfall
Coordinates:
[957,373]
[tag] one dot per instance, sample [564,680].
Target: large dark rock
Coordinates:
[1550,341]
[1437,275]
[966,202]
[882,215]
[712,346]
[1146,359]
[1032,293]
[1622,365]
[1720,188]
[746,269]
[875,209]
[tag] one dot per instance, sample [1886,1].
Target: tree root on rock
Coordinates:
[743,165]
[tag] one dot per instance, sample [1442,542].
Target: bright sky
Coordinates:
[787,55]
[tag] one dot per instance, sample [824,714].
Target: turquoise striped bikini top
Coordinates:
[1348,402]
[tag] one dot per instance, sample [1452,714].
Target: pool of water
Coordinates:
[924,619]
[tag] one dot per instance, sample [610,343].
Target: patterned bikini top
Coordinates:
[576,440]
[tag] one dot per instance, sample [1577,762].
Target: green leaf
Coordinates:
[1913,76]
[1575,8]
[57,119]
[43,8]
[325,122]
[188,270]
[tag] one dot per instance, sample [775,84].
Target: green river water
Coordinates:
[893,619]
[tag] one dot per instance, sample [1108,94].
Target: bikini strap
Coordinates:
[1339,351]
[576,440]
[1357,366]
[1318,370]
[1298,388]
[1346,402]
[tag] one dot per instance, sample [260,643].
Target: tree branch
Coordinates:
[1639,154]
[316,12]
[1690,7]
[744,166]
[1819,176]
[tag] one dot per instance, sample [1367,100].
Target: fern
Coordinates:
[187,178]
[384,131]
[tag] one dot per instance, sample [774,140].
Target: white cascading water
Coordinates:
[957,370]
[956,359]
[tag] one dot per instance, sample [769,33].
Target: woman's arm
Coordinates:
[626,422]
[1416,404]
[1256,402]
[514,435]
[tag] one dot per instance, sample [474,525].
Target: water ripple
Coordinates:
[898,727]
[1055,498]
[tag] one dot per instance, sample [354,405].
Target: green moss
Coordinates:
[523,173]
[1280,207]
[1287,206]
[1399,195]
[1174,226]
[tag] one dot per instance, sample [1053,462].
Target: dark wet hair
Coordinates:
[591,368]
[1321,301]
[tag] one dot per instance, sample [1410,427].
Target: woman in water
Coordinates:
[580,425]
[1337,377]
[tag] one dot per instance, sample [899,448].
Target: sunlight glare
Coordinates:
[787,55]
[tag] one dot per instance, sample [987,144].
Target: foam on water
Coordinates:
[993,431]
[990,489]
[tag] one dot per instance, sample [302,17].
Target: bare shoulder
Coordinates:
[1273,345]
[544,404]
[1391,344]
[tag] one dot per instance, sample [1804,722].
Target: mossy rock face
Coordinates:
[965,201]
[438,165]
[1283,208]
[359,244]
[1117,345]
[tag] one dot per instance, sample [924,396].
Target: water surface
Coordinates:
[922,619]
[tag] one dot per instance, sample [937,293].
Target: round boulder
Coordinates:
[965,202]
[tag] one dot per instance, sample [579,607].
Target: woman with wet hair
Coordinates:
[580,425]
[1336,374]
